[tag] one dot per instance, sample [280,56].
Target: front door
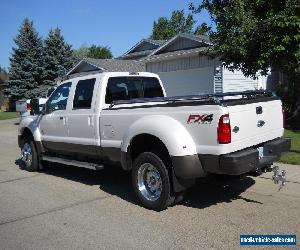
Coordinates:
[53,125]
[81,119]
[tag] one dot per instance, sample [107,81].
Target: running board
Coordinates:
[80,164]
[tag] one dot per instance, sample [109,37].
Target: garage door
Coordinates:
[188,82]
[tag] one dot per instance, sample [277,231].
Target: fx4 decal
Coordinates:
[203,118]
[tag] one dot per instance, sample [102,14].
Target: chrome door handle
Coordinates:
[90,121]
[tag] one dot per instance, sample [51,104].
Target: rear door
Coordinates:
[81,119]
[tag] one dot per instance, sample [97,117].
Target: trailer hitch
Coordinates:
[279,176]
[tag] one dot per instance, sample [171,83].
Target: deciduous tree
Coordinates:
[99,52]
[93,51]
[165,28]
[254,36]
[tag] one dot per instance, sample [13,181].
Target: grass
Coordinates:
[292,157]
[8,115]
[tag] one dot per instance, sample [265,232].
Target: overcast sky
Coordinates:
[117,24]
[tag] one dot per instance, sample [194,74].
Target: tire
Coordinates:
[151,181]
[29,155]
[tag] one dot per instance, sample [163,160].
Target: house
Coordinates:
[4,104]
[142,49]
[185,67]
[89,65]
[183,63]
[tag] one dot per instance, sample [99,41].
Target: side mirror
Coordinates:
[35,107]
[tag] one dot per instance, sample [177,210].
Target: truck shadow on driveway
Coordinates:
[214,190]
[116,182]
[112,180]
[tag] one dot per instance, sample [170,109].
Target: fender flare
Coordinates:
[171,132]
[31,123]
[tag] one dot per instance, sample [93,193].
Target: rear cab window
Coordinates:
[127,88]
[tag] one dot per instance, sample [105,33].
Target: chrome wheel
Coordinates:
[149,182]
[26,154]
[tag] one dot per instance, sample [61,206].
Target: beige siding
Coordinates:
[236,81]
[185,63]
[187,75]
[188,82]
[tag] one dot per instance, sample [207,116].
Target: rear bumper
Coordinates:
[237,163]
[246,160]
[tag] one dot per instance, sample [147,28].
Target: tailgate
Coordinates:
[255,123]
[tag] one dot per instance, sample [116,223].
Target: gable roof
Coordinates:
[138,51]
[177,54]
[110,65]
[198,40]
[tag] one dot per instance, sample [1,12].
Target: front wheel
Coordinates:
[29,156]
[151,181]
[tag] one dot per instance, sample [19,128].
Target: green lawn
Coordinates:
[8,115]
[292,157]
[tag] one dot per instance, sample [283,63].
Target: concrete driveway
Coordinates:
[69,208]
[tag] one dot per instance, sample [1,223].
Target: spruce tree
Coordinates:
[26,63]
[58,56]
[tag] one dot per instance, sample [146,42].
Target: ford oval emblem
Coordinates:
[260,123]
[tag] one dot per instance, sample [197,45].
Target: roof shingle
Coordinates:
[116,65]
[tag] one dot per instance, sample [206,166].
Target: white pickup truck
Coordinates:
[24,106]
[167,142]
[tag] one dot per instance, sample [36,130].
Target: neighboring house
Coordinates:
[4,103]
[142,49]
[183,64]
[185,68]
[89,65]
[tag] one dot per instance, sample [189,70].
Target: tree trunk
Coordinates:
[293,116]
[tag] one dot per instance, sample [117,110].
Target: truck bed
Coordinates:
[255,117]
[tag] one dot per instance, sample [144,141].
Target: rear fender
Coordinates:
[171,132]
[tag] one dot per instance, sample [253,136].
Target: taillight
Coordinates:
[29,107]
[224,130]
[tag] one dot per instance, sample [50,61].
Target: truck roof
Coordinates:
[109,74]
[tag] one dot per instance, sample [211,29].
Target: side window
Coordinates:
[84,94]
[59,98]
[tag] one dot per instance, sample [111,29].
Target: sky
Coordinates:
[114,23]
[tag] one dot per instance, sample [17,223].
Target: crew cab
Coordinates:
[125,119]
